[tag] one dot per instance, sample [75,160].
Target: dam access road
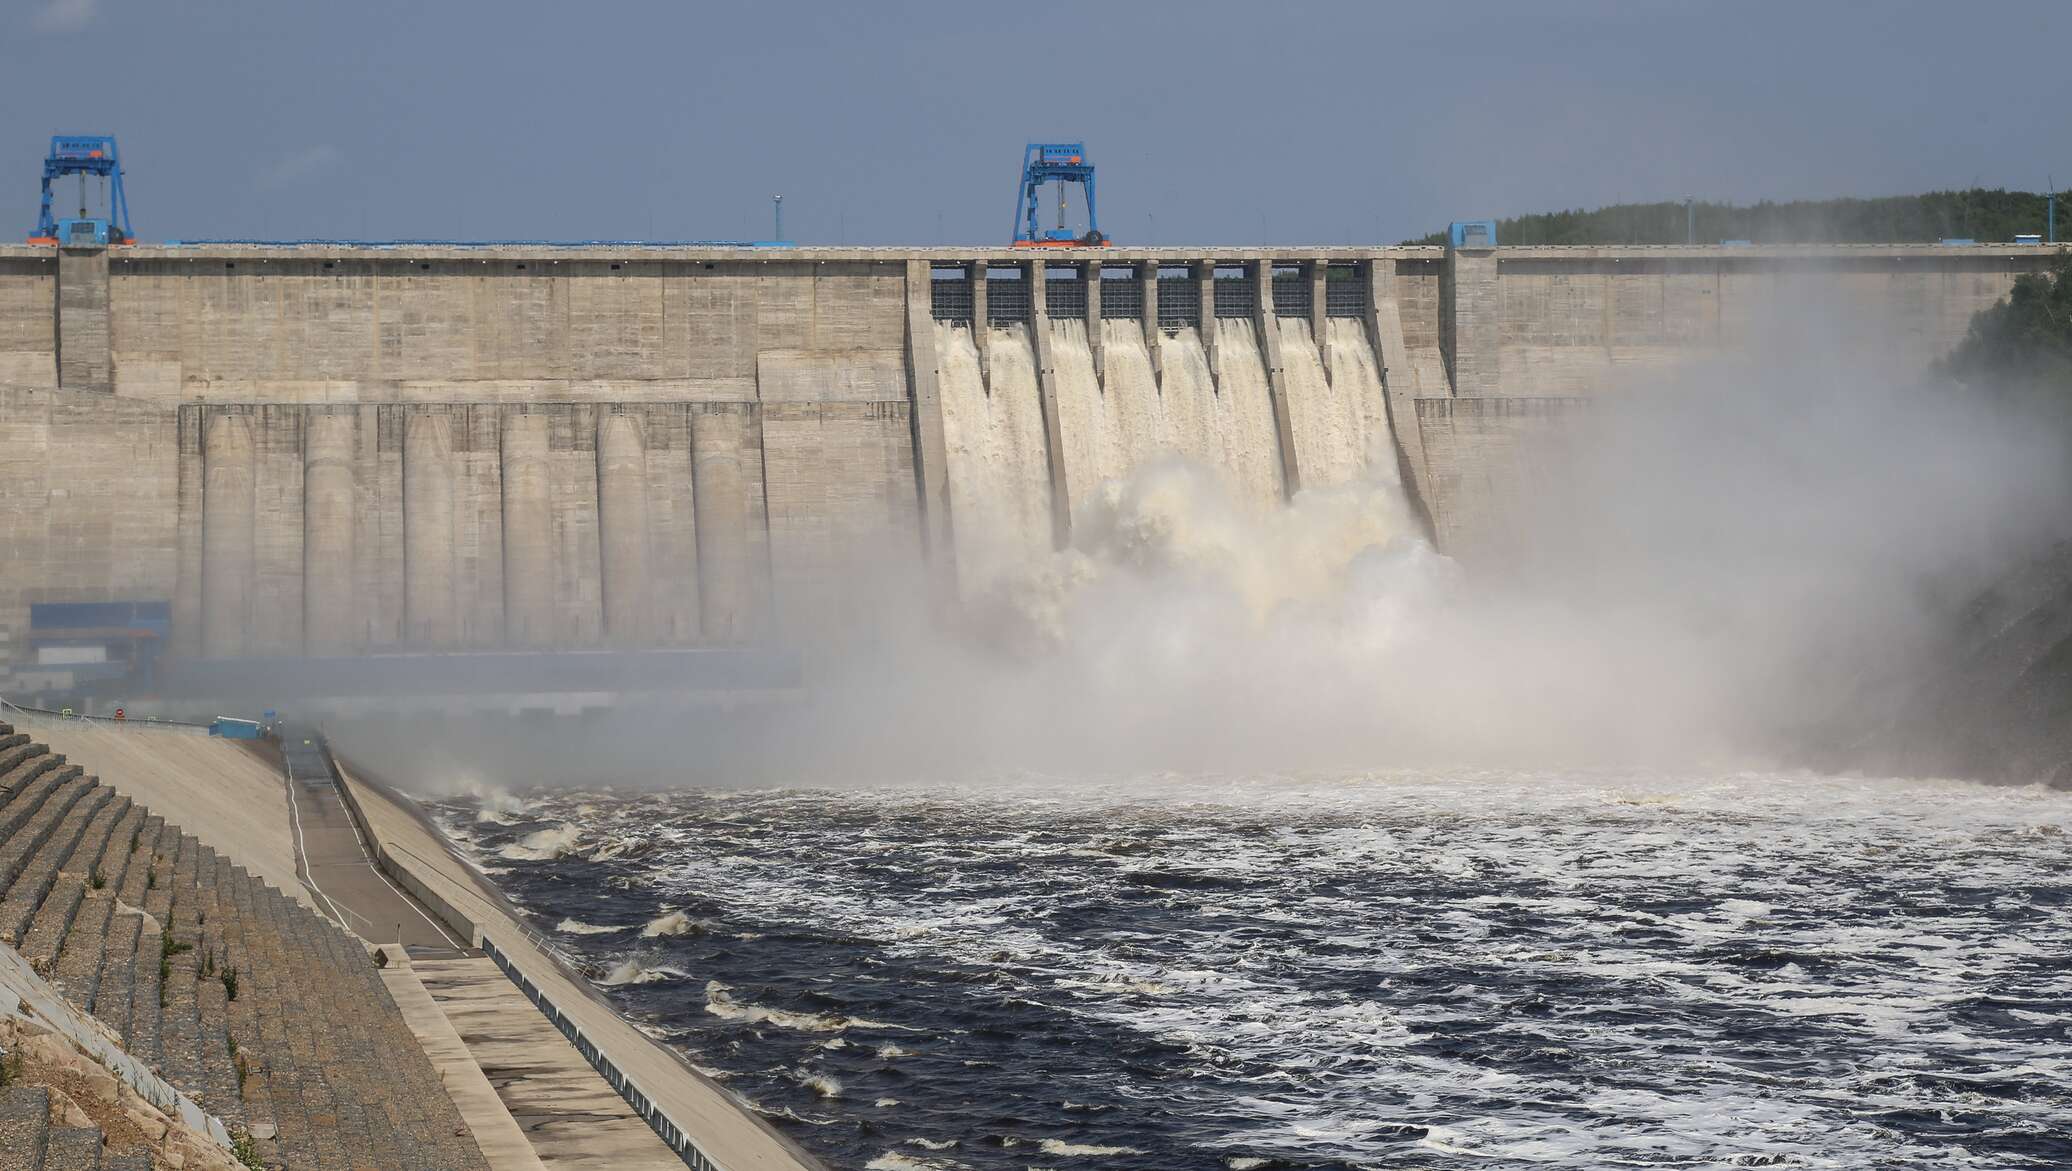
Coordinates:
[303,454]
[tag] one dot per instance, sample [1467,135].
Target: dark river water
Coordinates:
[1466,971]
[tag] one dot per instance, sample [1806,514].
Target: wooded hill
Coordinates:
[1977,214]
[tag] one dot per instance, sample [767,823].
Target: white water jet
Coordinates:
[999,481]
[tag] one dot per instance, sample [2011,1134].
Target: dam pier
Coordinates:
[326,451]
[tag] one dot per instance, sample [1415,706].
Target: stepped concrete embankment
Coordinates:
[265,1017]
[468,1046]
[324,451]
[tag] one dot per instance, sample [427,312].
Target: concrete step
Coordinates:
[54,919]
[40,871]
[322,1052]
[78,967]
[12,756]
[26,796]
[21,846]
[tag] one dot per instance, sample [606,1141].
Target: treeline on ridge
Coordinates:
[1977,214]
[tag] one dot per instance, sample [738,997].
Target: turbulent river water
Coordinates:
[1481,970]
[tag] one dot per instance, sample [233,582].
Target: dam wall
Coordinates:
[337,450]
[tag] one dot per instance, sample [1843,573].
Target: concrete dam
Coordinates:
[321,451]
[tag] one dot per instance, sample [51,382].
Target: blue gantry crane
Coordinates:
[83,155]
[1062,164]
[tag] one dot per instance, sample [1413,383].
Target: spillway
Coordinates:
[998,470]
[1115,420]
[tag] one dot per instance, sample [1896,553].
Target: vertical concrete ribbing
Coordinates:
[527,531]
[327,542]
[1472,317]
[672,526]
[1047,396]
[85,354]
[719,433]
[227,552]
[378,529]
[1147,276]
[1398,382]
[1268,329]
[622,508]
[981,330]
[931,456]
[187,584]
[278,531]
[428,595]
[1205,309]
[1091,274]
[1318,271]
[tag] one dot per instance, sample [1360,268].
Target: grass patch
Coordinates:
[230,983]
[96,879]
[242,1147]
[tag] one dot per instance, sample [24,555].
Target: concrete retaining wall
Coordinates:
[320,450]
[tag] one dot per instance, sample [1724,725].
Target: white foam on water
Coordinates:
[673,923]
[1054,1146]
[635,971]
[578,927]
[1581,857]
[542,845]
[896,1161]
[825,1085]
[720,1002]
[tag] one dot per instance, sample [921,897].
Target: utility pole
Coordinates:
[777,211]
[2051,216]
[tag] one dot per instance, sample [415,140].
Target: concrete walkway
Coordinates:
[341,874]
[724,1128]
[496,1131]
[567,1111]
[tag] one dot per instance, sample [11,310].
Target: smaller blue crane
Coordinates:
[83,155]
[1062,163]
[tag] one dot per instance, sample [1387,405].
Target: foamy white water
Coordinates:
[1471,970]
[999,482]
[1113,426]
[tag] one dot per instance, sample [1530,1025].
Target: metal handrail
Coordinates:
[99,720]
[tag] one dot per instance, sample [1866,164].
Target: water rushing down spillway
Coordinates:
[1488,970]
[1115,420]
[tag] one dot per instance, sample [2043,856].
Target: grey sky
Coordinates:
[902,122]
